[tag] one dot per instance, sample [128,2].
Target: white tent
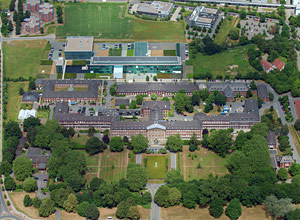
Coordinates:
[23,114]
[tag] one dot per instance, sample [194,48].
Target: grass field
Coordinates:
[166,31]
[130,53]
[43,114]
[22,58]
[113,165]
[105,20]
[224,30]
[219,64]
[179,212]
[80,141]
[4,4]
[208,160]
[159,171]
[14,99]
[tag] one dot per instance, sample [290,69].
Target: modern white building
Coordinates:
[203,17]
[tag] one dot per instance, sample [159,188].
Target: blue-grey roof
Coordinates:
[136,60]
[30,97]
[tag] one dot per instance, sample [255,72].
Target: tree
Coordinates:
[36,202]
[91,131]
[166,197]
[216,208]
[95,183]
[122,106]
[22,167]
[182,102]
[32,85]
[47,207]
[9,183]
[21,91]
[293,215]
[260,102]
[139,143]
[297,125]
[116,144]
[12,128]
[220,141]
[196,98]
[133,213]
[70,205]
[234,209]
[31,122]
[147,78]
[139,99]
[234,33]
[294,169]
[92,212]
[174,176]
[105,139]
[27,201]
[123,208]
[94,146]
[278,207]
[154,97]
[271,96]
[282,174]
[82,207]
[5,167]
[174,143]
[136,177]
[132,105]
[146,198]
[112,89]
[30,184]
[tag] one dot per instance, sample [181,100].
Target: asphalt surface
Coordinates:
[173,160]
[4,212]
[155,209]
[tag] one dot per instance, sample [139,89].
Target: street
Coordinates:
[155,209]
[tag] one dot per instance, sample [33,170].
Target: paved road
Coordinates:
[155,209]
[176,14]
[173,160]
[138,158]
[4,212]
[280,113]
[57,214]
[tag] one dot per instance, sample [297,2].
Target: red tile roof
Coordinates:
[297,105]
[278,64]
[266,65]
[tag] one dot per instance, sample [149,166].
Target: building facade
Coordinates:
[33,5]
[32,24]
[46,12]
[203,17]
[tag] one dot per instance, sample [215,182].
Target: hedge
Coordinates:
[46,62]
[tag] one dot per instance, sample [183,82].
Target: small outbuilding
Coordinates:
[30,97]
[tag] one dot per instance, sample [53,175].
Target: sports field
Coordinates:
[106,20]
[22,58]
[156,167]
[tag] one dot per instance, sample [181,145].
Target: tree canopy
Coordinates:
[136,177]
[22,167]
[139,143]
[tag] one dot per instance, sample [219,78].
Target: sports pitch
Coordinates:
[156,167]
[99,20]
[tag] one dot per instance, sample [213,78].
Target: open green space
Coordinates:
[4,4]
[130,53]
[22,58]
[105,20]
[113,165]
[91,161]
[229,62]
[224,30]
[14,99]
[200,164]
[43,114]
[169,52]
[79,142]
[167,31]
[156,167]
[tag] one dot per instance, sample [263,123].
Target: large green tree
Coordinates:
[166,197]
[47,207]
[11,129]
[133,213]
[22,167]
[30,184]
[92,212]
[174,143]
[278,207]
[82,207]
[94,146]
[136,177]
[31,122]
[220,141]
[9,183]
[216,208]
[139,143]
[282,174]
[116,144]
[27,201]
[70,205]
[234,209]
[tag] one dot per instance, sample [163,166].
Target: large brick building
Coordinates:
[46,12]
[155,110]
[33,5]
[63,90]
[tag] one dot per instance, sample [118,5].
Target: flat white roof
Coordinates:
[80,44]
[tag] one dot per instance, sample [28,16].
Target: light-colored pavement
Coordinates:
[155,209]
[176,14]
[173,160]
[138,158]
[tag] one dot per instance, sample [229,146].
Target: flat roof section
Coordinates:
[79,44]
[140,49]
[204,20]
[135,60]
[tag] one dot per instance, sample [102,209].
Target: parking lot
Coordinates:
[88,110]
[254,26]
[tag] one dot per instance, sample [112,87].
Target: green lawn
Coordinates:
[224,30]
[130,53]
[110,174]
[159,171]
[105,20]
[14,99]
[158,31]
[43,114]
[22,58]
[4,4]
[80,141]
[169,52]
[219,64]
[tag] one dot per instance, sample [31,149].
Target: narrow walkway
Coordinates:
[99,165]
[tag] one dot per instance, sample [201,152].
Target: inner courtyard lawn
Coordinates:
[22,58]
[105,20]
[156,167]
[230,62]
